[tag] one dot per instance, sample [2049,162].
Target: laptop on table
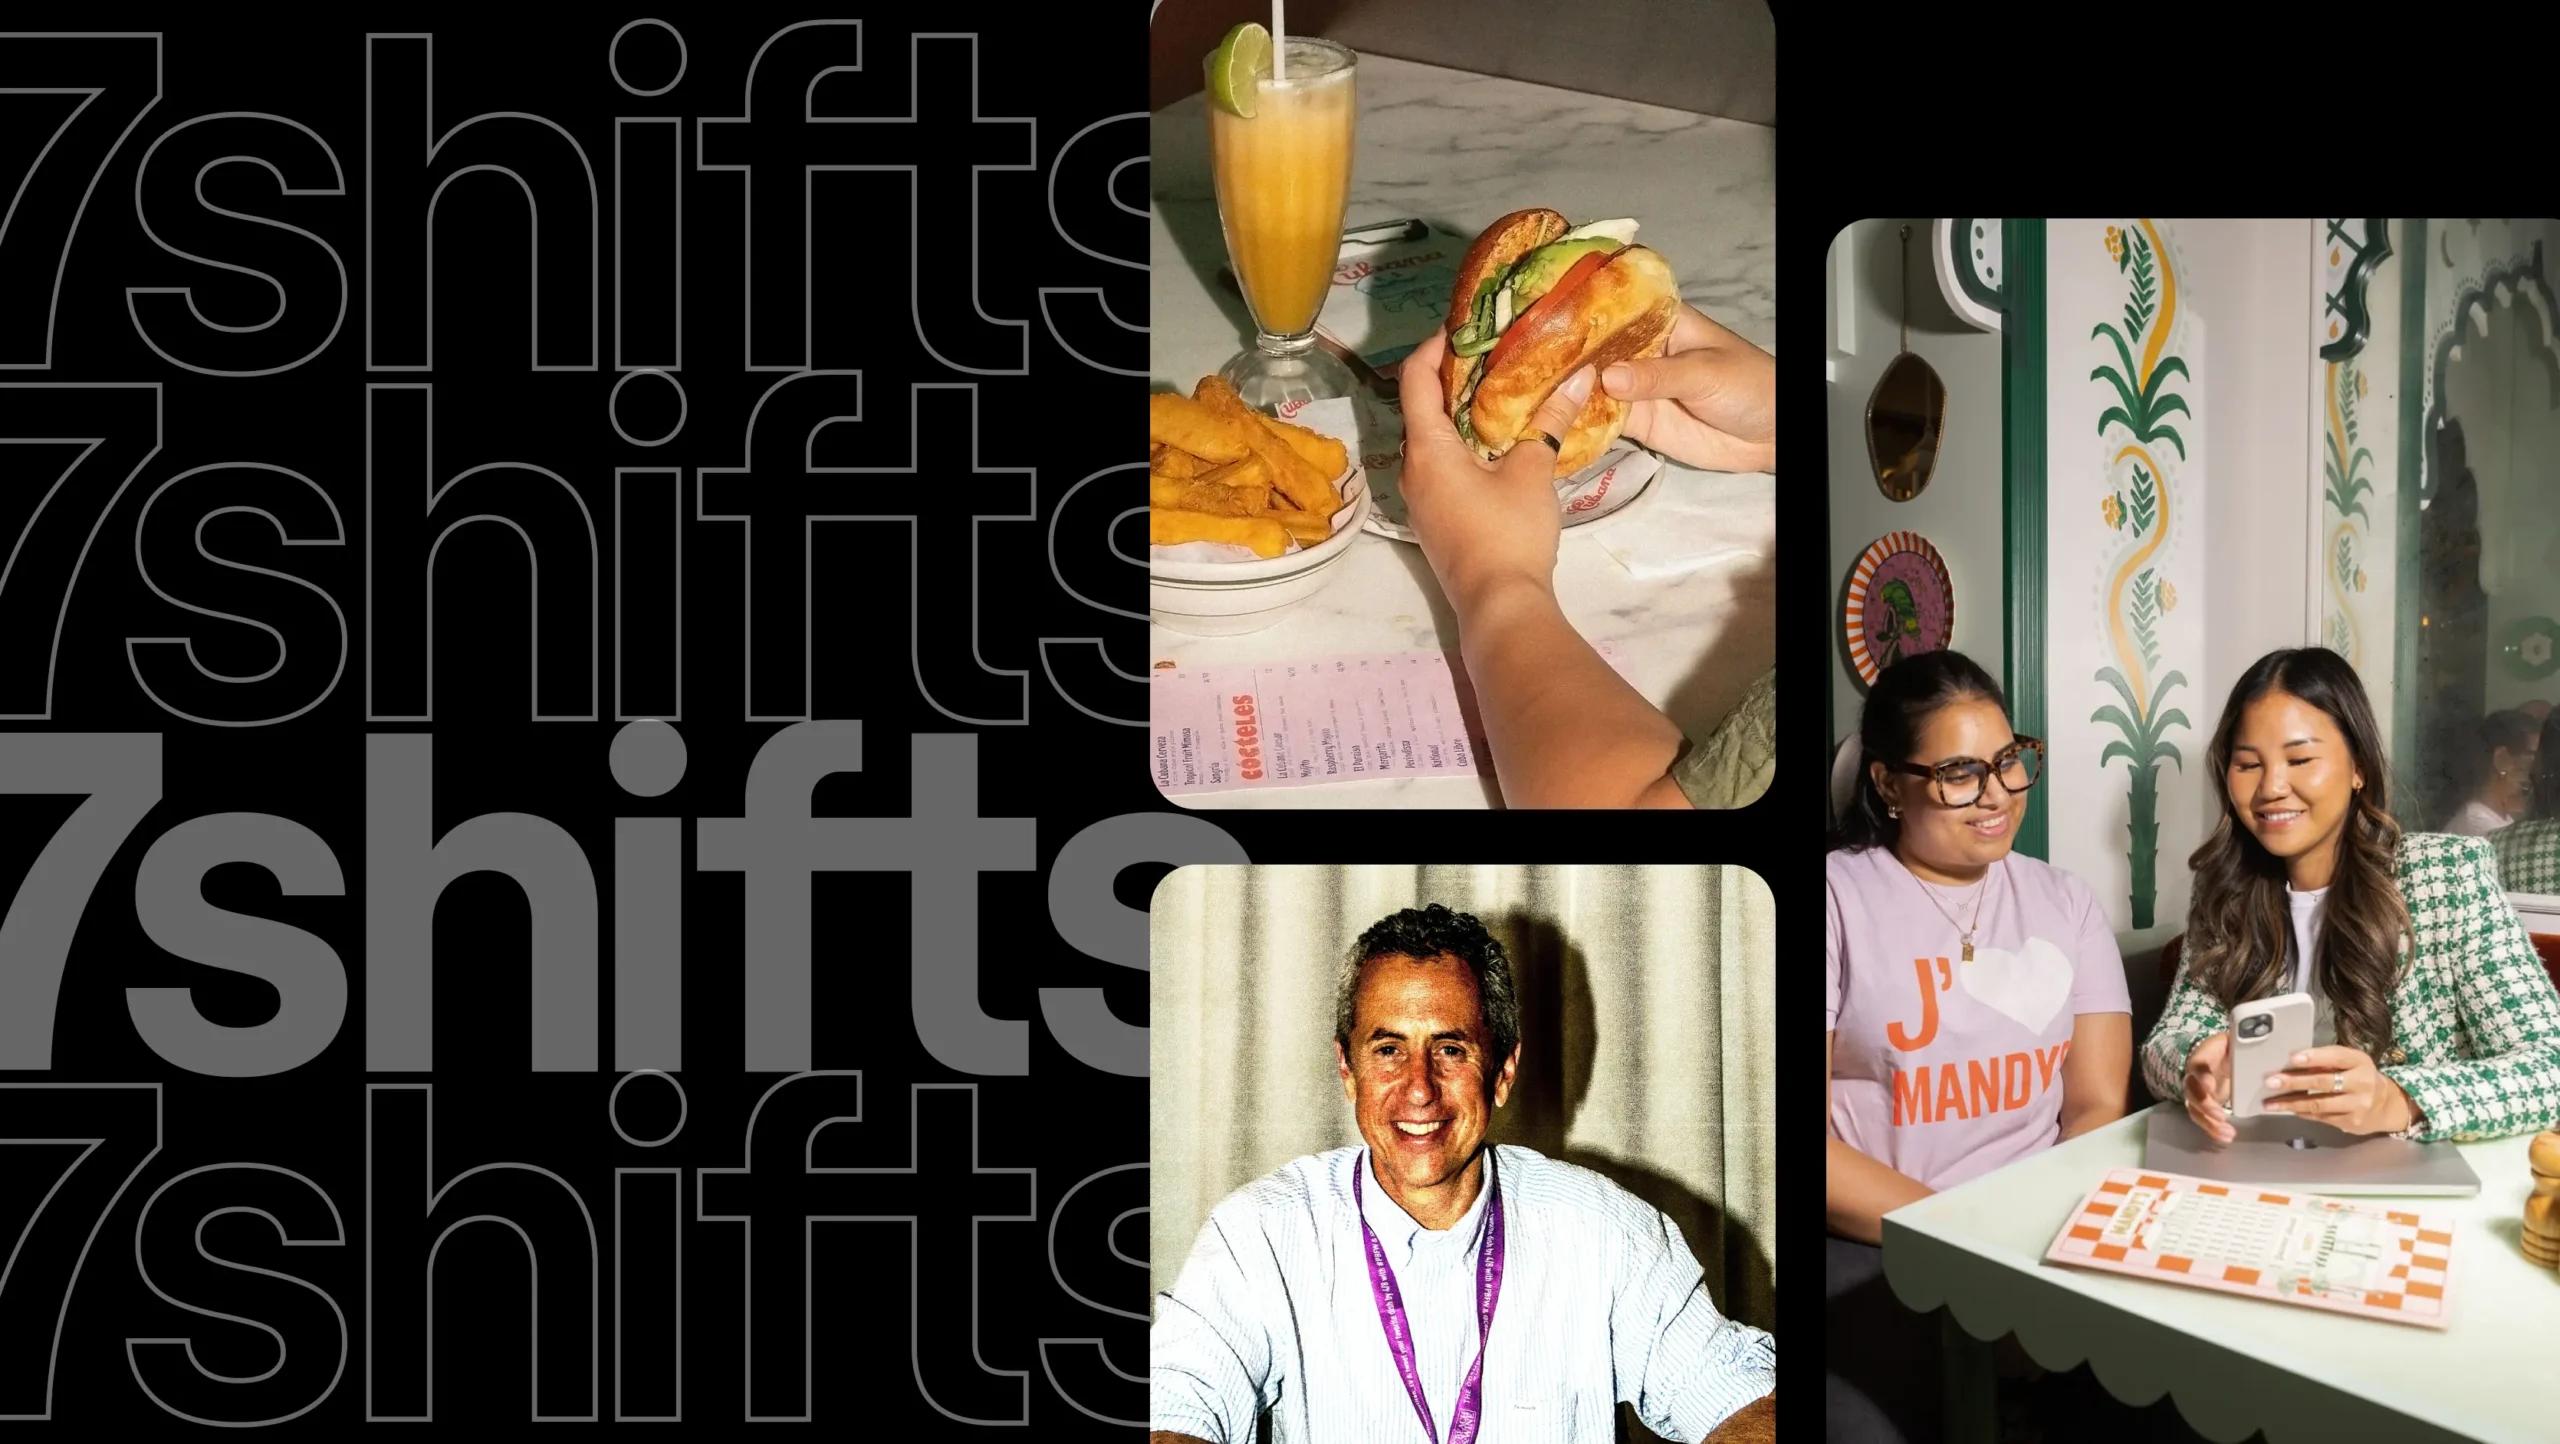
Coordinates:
[2275,1151]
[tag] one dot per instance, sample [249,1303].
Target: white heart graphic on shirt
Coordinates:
[2028,987]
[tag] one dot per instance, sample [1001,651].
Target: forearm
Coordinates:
[2164,1059]
[2094,1072]
[1210,1372]
[2190,1016]
[2510,1082]
[1565,728]
[1858,1192]
[2494,1097]
[2079,1118]
[1753,1423]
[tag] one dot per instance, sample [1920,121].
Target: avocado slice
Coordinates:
[1539,270]
[1500,298]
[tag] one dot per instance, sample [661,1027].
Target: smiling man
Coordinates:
[1427,1286]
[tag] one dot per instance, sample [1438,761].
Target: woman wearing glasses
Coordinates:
[2433,1019]
[1977,1006]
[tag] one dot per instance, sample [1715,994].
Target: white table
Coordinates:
[1460,149]
[2236,1365]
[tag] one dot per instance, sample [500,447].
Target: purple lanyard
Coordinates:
[1382,1284]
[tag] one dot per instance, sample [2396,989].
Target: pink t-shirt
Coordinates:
[1942,1069]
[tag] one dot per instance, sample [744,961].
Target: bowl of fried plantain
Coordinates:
[1278,506]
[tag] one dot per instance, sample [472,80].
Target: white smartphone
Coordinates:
[2264,1037]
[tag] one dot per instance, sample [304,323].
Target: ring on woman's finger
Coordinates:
[2337,1082]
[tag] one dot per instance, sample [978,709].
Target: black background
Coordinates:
[1066,768]
[1865,137]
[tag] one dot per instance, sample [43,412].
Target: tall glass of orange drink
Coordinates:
[1284,175]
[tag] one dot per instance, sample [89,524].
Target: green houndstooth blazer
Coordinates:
[2529,855]
[2475,1023]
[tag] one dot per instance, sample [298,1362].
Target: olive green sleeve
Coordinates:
[1732,766]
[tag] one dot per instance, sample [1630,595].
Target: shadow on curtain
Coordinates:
[1558,1025]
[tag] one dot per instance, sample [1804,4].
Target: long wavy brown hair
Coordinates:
[2239,927]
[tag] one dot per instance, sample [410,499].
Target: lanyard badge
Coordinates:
[1468,1415]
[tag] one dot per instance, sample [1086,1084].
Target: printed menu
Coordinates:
[1235,727]
[1385,299]
[2292,1248]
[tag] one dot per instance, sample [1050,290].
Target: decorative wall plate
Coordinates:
[2531,647]
[1900,603]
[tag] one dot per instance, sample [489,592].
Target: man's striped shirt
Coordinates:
[1601,1301]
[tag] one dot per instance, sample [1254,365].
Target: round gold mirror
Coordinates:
[1907,412]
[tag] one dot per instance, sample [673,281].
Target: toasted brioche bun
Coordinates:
[1501,246]
[1623,311]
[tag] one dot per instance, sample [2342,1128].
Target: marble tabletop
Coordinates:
[1458,149]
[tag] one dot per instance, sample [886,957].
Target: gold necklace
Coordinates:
[1981,890]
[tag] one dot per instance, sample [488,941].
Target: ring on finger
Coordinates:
[2337,1082]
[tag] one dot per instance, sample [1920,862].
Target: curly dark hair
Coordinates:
[1429,932]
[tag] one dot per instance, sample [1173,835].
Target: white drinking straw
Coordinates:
[1279,40]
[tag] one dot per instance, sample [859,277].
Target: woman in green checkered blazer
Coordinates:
[2529,851]
[2433,1017]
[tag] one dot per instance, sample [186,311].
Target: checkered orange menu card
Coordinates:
[2292,1248]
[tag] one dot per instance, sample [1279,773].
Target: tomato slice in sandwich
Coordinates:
[1545,307]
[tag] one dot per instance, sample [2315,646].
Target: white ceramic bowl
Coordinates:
[1229,599]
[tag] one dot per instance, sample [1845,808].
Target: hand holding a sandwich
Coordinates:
[1565,729]
[1709,401]
[1481,524]
[1538,298]
[1560,338]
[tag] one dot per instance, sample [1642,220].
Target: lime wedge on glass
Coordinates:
[1241,58]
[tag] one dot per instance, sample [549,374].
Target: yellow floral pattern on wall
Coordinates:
[2140,482]
[2353,480]
[2343,468]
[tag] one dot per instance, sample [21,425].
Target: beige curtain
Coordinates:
[1647,1023]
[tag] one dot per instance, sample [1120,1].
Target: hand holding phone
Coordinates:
[2208,1086]
[2264,1037]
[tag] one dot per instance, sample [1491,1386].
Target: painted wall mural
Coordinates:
[2138,594]
[2127,456]
[2355,403]
[2344,519]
